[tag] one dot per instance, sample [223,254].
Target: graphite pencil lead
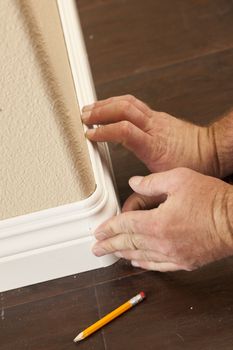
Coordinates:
[79,337]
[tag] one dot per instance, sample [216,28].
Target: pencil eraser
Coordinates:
[143,295]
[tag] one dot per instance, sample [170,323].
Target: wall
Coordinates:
[44,160]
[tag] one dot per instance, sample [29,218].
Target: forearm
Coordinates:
[221,138]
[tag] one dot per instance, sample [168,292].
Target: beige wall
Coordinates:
[43,155]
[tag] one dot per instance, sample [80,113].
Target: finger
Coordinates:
[130,222]
[140,202]
[143,255]
[125,133]
[124,241]
[129,98]
[154,184]
[114,112]
[156,266]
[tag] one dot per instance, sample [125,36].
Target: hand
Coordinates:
[159,140]
[192,226]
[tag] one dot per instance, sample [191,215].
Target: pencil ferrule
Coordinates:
[135,300]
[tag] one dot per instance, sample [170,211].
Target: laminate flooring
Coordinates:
[177,56]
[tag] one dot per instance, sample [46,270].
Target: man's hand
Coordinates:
[159,140]
[192,225]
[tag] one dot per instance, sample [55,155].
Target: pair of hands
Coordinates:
[176,218]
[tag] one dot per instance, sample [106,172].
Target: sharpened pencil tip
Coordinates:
[78,338]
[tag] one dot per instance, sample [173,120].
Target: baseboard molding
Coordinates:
[57,242]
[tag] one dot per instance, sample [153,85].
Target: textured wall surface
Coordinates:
[44,160]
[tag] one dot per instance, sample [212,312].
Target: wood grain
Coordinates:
[177,56]
[182,310]
[128,37]
[51,323]
[199,90]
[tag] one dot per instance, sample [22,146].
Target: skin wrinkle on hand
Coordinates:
[163,145]
[222,134]
[211,248]
[195,211]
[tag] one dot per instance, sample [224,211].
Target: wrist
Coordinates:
[223,221]
[203,156]
[221,143]
[207,151]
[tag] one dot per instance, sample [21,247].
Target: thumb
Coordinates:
[153,184]
[139,202]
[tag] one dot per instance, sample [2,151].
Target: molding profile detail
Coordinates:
[57,242]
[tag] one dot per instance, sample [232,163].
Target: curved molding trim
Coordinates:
[57,242]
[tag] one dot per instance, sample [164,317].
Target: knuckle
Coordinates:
[163,115]
[97,111]
[100,131]
[110,99]
[147,255]
[148,181]
[127,108]
[130,98]
[137,241]
[126,128]
[179,176]
[127,224]
[160,115]
[167,248]
[182,172]
[109,246]
[110,227]
[129,243]
[124,106]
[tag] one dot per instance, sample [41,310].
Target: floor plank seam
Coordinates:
[120,278]
[165,66]
[99,316]
[72,290]
[92,7]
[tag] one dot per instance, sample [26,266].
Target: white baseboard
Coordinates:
[57,242]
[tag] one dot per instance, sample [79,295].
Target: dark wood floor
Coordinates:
[177,56]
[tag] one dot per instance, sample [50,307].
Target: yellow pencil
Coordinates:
[109,317]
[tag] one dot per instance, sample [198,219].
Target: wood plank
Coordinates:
[198,90]
[51,323]
[133,36]
[87,4]
[183,310]
[47,289]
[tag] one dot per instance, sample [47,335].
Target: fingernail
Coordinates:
[98,251]
[135,180]
[118,254]
[134,263]
[90,133]
[88,107]
[85,116]
[100,235]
